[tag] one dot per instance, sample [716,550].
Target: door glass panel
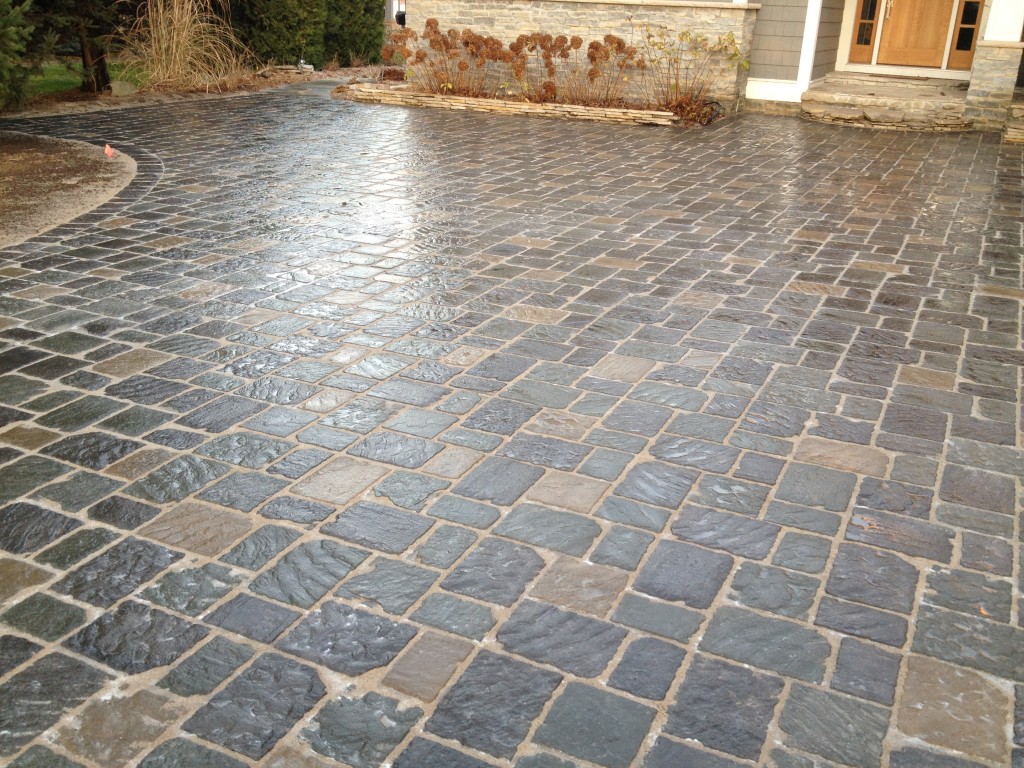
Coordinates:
[970,17]
[965,36]
[864,39]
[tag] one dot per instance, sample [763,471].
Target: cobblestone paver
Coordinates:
[353,435]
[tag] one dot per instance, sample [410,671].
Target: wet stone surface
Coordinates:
[44,617]
[37,696]
[94,450]
[135,638]
[577,644]
[254,618]
[277,689]
[392,585]
[725,706]
[361,732]
[207,668]
[180,751]
[596,725]
[347,640]
[378,527]
[192,590]
[308,572]
[491,706]
[116,572]
[177,480]
[483,459]
[26,527]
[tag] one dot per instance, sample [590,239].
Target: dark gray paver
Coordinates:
[207,668]
[361,732]
[577,644]
[724,706]
[178,752]
[561,531]
[41,757]
[37,696]
[495,571]
[308,572]
[455,615]
[773,644]
[259,706]
[27,527]
[258,548]
[647,668]
[423,753]
[391,584]
[671,754]
[836,727]
[192,590]
[254,618]
[117,572]
[875,578]
[866,671]
[498,480]
[493,703]
[44,616]
[135,638]
[347,640]
[596,725]
[682,572]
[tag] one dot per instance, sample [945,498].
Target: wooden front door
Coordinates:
[914,32]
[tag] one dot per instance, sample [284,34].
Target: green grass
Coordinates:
[57,76]
[54,78]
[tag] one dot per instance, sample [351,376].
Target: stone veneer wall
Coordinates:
[593,19]
[993,77]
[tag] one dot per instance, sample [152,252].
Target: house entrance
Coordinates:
[938,34]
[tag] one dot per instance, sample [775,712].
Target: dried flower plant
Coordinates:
[681,66]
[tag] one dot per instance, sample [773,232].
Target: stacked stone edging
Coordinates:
[383,94]
[1014,131]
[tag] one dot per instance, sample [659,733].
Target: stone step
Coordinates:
[910,100]
[892,82]
[923,104]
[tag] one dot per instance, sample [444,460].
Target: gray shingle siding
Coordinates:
[827,48]
[778,35]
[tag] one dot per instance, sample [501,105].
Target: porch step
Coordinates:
[895,103]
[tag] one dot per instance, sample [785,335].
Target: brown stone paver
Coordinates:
[351,435]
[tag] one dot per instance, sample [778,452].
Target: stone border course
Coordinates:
[372,93]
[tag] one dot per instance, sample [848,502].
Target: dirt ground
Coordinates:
[47,182]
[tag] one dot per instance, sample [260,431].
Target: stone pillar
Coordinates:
[993,78]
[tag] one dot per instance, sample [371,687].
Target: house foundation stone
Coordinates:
[593,19]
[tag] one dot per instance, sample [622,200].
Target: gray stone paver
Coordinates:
[515,443]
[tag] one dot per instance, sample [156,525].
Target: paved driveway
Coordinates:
[439,440]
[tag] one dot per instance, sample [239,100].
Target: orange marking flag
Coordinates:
[108,151]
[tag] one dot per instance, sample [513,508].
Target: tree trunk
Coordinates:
[96,79]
